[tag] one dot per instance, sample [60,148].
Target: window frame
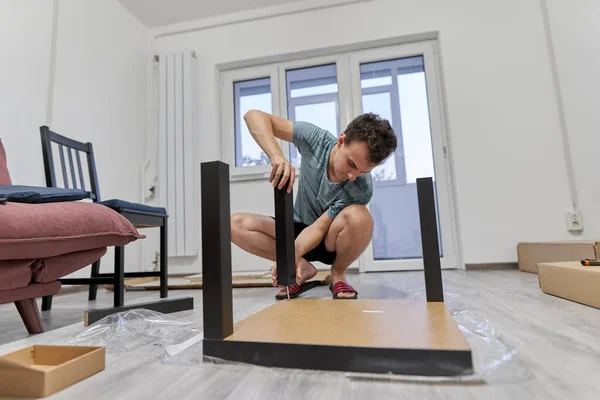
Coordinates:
[443,172]
[228,110]
[277,74]
[348,59]
[394,70]
[345,100]
[293,102]
[343,97]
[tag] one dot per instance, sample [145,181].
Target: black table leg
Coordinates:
[119,285]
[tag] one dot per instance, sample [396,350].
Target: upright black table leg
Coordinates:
[429,240]
[216,251]
[119,276]
[164,259]
[284,237]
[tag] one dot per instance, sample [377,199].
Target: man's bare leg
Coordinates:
[348,236]
[255,234]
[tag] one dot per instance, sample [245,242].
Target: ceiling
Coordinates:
[155,13]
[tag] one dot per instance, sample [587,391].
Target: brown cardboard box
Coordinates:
[40,370]
[571,281]
[531,254]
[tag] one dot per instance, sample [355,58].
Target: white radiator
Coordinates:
[178,171]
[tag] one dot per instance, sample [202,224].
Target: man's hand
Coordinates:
[282,173]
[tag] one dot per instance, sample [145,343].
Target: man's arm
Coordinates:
[265,128]
[310,237]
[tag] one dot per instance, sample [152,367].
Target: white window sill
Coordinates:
[250,176]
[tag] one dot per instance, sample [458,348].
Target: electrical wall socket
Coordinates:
[574,221]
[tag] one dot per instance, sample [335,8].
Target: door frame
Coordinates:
[444,188]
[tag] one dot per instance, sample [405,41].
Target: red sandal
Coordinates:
[342,287]
[296,290]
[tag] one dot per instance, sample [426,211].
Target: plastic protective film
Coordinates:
[176,340]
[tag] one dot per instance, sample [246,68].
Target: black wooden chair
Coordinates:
[140,215]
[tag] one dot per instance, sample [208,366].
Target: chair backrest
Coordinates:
[73,149]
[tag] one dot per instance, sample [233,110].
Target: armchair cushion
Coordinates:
[16,274]
[40,194]
[4,175]
[117,204]
[45,270]
[30,292]
[32,231]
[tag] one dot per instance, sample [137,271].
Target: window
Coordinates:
[312,96]
[330,91]
[242,90]
[415,125]
[322,91]
[395,89]
[249,94]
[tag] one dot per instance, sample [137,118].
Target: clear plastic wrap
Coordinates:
[174,340]
[495,359]
[139,331]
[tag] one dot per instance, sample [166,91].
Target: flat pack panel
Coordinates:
[421,362]
[370,336]
[362,322]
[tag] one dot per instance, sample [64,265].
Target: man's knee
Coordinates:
[353,223]
[357,217]
[237,219]
[238,222]
[243,223]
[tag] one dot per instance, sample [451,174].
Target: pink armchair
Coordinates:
[43,242]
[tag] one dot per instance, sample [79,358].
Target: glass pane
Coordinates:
[311,91]
[381,103]
[320,114]
[416,135]
[312,96]
[394,205]
[376,82]
[251,94]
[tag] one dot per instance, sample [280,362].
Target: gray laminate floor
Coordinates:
[526,345]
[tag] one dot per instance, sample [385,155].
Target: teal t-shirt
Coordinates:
[316,193]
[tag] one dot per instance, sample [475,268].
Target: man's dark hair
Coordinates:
[376,132]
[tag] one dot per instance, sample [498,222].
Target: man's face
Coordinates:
[351,160]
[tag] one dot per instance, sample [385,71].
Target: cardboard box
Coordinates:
[571,281]
[531,254]
[40,370]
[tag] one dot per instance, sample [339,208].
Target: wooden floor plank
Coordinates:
[556,341]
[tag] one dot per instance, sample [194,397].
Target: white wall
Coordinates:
[100,96]
[575,27]
[507,150]
[100,85]
[25,32]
